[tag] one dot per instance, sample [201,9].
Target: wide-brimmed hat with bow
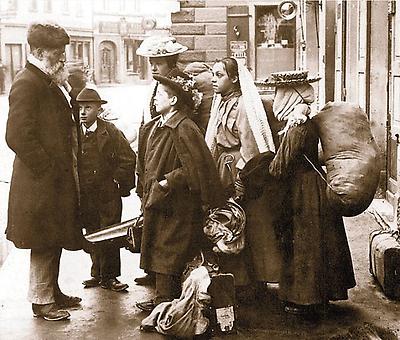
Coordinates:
[289,78]
[90,95]
[160,46]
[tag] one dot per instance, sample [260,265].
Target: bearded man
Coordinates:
[43,202]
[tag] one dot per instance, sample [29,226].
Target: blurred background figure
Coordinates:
[202,74]
[2,78]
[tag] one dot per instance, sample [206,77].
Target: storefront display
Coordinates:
[275,42]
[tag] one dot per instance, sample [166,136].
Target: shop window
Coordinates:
[275,41]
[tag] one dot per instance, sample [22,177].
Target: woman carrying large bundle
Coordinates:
[317,264]
[238,131]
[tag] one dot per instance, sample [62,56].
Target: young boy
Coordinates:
[177,181]
[106,172]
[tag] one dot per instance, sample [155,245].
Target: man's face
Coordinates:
[54,60]
[163,100]
[55,57]
[88,112]
[220,80]
[159,66]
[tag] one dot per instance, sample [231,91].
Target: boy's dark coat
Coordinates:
[172,217]
[118,162]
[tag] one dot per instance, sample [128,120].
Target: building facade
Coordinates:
[104,34]
[352,45]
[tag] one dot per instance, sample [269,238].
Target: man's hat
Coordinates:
[160,46]
[288,78]
[47,36]
[184,88]
[89,95]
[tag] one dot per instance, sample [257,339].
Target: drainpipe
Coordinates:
[303,34]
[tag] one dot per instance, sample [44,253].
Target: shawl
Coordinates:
[255,114]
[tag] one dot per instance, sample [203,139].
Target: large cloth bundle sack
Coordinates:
[350,155]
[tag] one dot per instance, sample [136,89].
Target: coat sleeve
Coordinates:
[124,173]
[22,127]
[198,166]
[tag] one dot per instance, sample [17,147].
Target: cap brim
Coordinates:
[93,101]
[291,82]
[149,54]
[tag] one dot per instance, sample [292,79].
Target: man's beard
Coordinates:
[57,72]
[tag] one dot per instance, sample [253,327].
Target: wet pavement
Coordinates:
[109,315]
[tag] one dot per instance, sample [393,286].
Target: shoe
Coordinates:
[66,301]
[49,312]
[146,306]
[295,309]
[93,282]
[114,285]
[147,280]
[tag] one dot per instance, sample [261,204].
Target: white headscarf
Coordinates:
[254,110]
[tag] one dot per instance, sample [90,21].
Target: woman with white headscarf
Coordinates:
[238,131]
[317,265]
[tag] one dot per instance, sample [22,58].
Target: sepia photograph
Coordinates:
[200,169]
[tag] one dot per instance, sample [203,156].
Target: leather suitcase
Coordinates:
[384,256]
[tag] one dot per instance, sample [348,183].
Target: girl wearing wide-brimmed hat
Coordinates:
[317,263]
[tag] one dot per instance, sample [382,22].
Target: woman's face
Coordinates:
[221,82]
[159,66]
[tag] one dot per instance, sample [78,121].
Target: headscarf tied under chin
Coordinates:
[255,114]
[287,98]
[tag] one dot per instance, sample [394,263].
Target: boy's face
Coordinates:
[163,100]
[88,112]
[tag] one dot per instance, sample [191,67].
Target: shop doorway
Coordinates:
[107,62]
[13,60]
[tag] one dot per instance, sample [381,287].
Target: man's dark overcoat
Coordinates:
[43,201]
[172,230]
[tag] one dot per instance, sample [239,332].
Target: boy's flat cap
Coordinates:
[47,35]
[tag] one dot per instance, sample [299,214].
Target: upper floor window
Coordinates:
[47,6]
[12,5]
[65,7]
[33,6]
